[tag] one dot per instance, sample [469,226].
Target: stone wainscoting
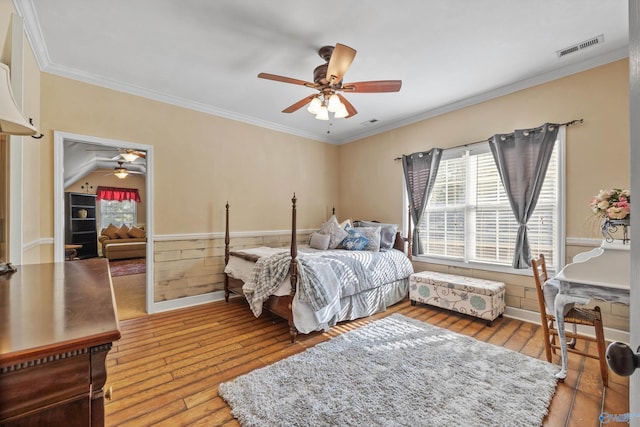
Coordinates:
[186,267]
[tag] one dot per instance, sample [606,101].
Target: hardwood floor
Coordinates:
[166,368]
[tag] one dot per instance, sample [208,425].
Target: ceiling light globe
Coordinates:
[342,112]
[334,103]
[121,173]
[314,105]
[323,114]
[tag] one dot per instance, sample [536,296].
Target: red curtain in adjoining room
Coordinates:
[117,193]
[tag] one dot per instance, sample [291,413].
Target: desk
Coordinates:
[71,251]
[601,274]
[572,291]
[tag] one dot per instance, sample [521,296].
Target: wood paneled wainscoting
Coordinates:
[166,368]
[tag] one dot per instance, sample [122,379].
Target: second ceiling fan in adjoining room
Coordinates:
[327,80]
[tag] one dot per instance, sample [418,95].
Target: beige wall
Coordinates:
[200,161]
[596,157]
[597,151]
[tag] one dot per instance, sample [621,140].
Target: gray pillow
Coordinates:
[332,228]
[387,233]
[373,235]
[319,241]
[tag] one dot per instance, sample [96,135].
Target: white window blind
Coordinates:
[469,219]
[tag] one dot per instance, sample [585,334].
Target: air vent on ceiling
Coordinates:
[579,46]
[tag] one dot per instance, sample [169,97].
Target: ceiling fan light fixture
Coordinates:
[121,173]
[314,105]
[323,114]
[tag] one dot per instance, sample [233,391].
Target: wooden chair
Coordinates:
[575,316]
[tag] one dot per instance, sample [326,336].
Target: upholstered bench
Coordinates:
[476,297]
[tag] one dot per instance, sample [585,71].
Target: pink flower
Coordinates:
[612,203]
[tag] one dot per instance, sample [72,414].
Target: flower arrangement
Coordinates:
[611,204]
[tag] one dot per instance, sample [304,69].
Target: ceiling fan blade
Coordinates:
[350,108]
[299,104]
[373,86]
[340,61]
[285,79]
[140,154]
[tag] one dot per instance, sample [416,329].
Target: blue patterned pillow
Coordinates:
[354,240]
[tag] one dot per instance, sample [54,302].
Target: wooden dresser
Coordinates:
[57,323]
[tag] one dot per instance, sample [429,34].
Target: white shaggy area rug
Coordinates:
[396,371]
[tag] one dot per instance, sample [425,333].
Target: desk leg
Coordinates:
[560,301]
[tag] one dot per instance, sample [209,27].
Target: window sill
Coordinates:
[475,265]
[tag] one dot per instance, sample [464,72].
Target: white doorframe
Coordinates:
[59,139]
[634,155]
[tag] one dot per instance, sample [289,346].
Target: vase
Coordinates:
[82,213]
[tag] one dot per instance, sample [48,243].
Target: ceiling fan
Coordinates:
[127,154]
[327,80]
[121,172]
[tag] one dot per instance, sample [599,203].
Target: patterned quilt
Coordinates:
[326,276]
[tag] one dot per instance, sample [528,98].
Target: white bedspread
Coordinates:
[326,278]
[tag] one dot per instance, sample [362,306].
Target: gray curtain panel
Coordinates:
[522,159]
[420,170]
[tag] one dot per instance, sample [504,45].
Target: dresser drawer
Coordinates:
[40,383]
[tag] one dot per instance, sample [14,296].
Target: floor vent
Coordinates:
[579,46]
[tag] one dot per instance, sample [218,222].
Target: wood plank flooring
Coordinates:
[166,368]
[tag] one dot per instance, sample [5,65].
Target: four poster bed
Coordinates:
[314,289]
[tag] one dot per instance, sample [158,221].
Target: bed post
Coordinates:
[293,270]
[409,234]
[226,252]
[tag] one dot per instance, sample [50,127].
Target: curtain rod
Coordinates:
[570,123]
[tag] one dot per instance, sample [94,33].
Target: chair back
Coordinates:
[540,275]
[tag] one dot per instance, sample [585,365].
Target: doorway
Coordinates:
[81,164]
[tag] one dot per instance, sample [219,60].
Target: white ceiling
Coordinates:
[205,55]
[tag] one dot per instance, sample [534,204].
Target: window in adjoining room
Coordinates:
[468,220]
[117,206]
[117,213]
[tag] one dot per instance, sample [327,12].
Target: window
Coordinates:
[117,212]
[469,220]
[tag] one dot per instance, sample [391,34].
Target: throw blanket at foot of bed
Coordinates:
[326,277]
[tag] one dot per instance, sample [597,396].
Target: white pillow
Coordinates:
[319,241]
[332,228]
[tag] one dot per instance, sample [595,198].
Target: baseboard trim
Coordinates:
[186,302]
[533,317]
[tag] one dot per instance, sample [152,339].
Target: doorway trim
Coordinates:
[59,139]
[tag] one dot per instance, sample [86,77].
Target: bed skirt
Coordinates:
[353,307]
